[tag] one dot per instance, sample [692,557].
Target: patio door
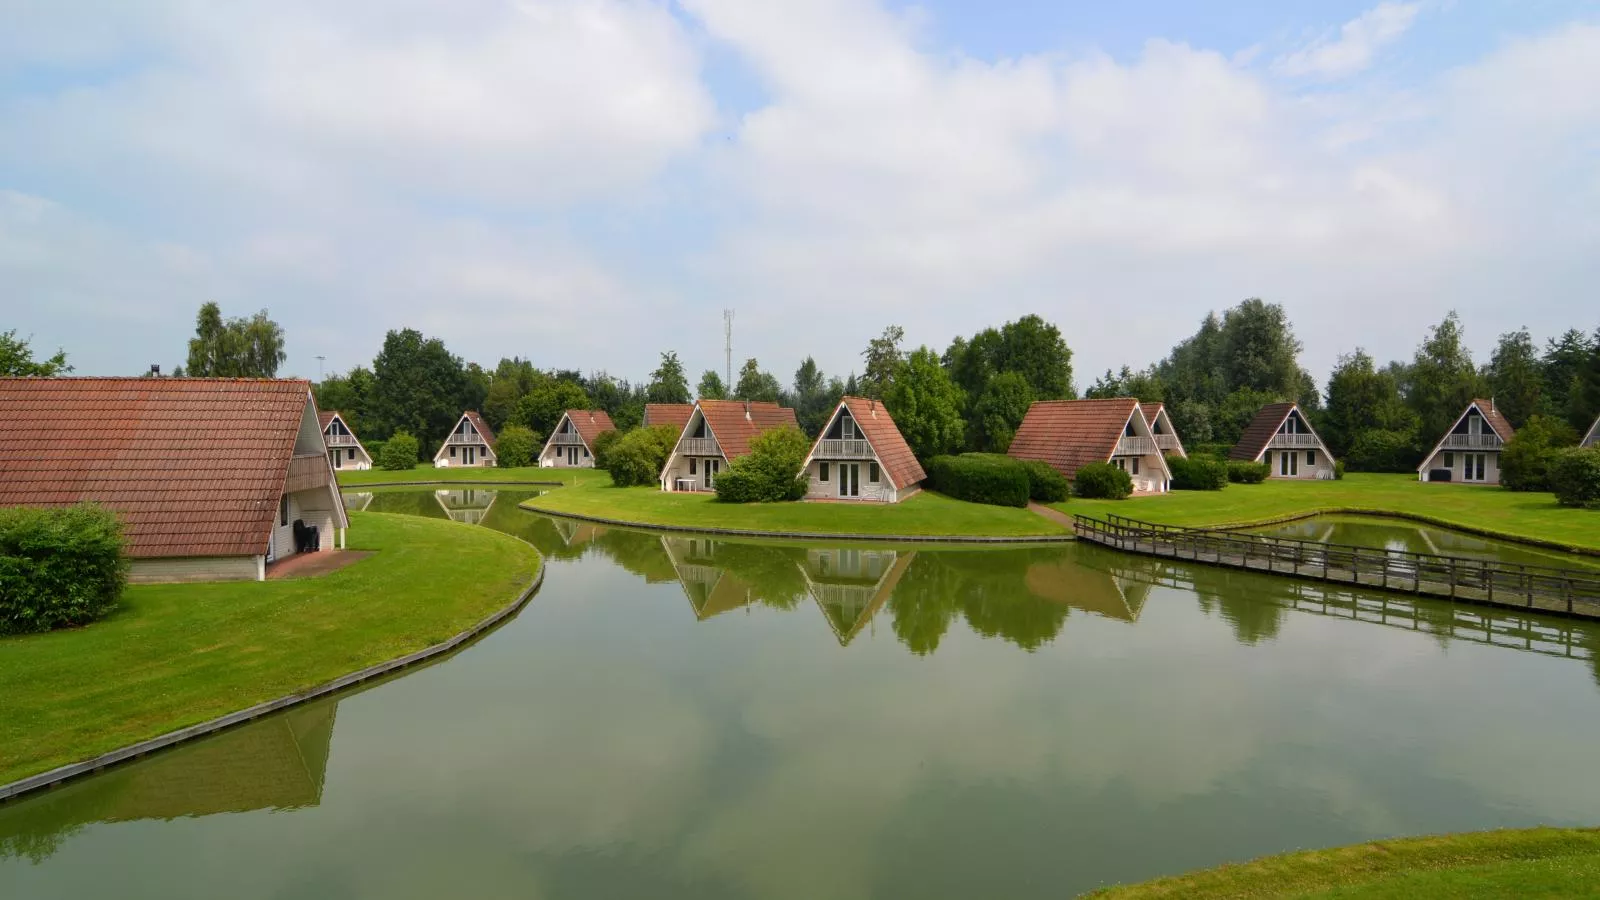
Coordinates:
[1473,467]
[1288,463]
[467,455]
[572,456]
[849,479]
[712,467]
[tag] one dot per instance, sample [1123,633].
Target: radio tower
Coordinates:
[727,346]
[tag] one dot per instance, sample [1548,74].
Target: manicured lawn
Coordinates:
[350,477]
[926,513]
[1517,515]
[175,655]
[1541,862]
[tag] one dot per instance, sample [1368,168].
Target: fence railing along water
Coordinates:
[1544,588]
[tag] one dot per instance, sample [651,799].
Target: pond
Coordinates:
[1400,535]
[681,717]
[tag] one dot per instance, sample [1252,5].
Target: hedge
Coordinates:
[58,567]
[980,478]
[1248,472]
[516,447]
[602,448]
[1045,483]
[1103,481]
[399,453]
[1197,473]
[1574,476]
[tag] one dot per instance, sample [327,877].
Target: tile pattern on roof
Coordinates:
[1496,419]
[482,427]
[675,414]
[895,455]
[1070,434]
[590,424]
[728,422]
[194,466]
[1258,434]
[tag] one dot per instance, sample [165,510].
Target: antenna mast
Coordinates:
[727,346]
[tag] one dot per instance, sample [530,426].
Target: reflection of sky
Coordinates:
[605,743]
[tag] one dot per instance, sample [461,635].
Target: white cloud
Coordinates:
[1356,46]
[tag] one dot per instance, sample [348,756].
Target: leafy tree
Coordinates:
[813,398]
[1193,420]
[1525,459]
[883,359]
[418,387]
[1362,398]
[16,359]
[1259,350]
[350,395]
[999,411]
[926,405]
[668,383]
[1574,476]
[1515,378]
[638,457]
[541,408]
[236,348]
[1566,363]
[1236,411]
[516,446]
[1145,386]
[756,385]
[1442,379]
[1378,450]
[603,443]
[770,472]
[711,386]
[399,453]
[500,402]
[621,400]
[1030,346]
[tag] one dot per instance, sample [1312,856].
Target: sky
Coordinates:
[587,183]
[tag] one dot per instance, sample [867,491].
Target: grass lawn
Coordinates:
[926,513]
[1541,862]
[175,655]
[351,477]
[1511,514]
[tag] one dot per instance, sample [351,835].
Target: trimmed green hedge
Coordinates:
[1103,481]
[1045,484]
[1198,473]
[58,567]
[1574,476]
[1248,472]
[980,478]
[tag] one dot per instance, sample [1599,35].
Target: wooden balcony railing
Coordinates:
[842,449]
[1472,442]
[1135,446]
[1167,441]
[699,447]
[1283,441]
[566,437]
[339,440]
[471,437]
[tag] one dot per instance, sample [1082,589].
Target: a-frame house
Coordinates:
[571,444]
[469,444]
[718,432]
[1470,451]
[861,455]
[1281,437]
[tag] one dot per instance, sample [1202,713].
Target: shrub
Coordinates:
[1376,450]
[603,445]
[1247,472]
[399,452]
[1525,460]
[1219,451]
[374,449]
[980,478]
[770,472]
[58,567]
[517,446]
[1103,481]
[1198,473]
[639,456]
[1045,484]
[1338,470]
[1574,476]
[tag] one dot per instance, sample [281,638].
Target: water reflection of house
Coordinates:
[466,505]
[1089,589]
[849,584]
[575,533]
[711,590]
[357,501]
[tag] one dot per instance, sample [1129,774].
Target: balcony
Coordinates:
[1135,446]
[1472,442]
[470,437]
[566,437]
[339,440]
[1284,441]
[852,449]
[1167,441]
[699,447]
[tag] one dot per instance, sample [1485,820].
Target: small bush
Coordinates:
[1247,472]
[980,478]
[1574,476]
[1219,451]
[374,449]
[639,456]
[1526,458]
[399,453]
[1338,470]
[516,447]
[1376,450]
[1103,481]
[770,472]
[1198,473]
[603,445]
[1045,484]
[58,567]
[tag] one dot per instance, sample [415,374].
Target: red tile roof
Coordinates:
[590,424]
[482,426]
[734,422]
[1495,418]
[326,416]
[194,466]
[1260,431]
[1151,411]
[899,463]
[668,414]
[1070,434]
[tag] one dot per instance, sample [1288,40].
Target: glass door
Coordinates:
[849,479]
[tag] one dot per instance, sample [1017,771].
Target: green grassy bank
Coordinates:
[175,655]
[1541,862]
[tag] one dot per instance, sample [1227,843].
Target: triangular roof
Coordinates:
[735,422]
[478,424]
[589,423]
[1491,415]
[1593,436]
[1070,434]
[849,607]
[1259,433]
[1154,410]
[324,419]
[880,431]
[1080,587]
[193,466]
[668,414]
[710,588]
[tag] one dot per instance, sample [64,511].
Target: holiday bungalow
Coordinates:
[1592,439]
[344,450]
[718,432]
[1166,437]
[1070,434]
[571,444]
[213,478]
[674,414]
[469,444]
[861,455]
[1470,450]
[1281,437]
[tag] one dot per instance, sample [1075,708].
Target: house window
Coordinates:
[452,453]
[822,471]
[352,453]
[872,472]
[1135,466]
[1311,457]
[283,509]
[1449,460]
[691,465]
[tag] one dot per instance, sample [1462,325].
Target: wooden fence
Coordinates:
[1567,591]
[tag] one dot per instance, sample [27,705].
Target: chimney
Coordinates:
[155,370]
[747,410]
[873,406]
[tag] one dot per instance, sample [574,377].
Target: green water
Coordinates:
[1400,535]
[684,718]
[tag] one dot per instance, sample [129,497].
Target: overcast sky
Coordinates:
[588,182]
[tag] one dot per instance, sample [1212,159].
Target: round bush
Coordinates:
[1045,484]
[638,457]
[1248,472]
[770,472]
[1198,473]
[602,448]
[1103,481]
[58,567]
[516,447]
[399,453]
[1574,476]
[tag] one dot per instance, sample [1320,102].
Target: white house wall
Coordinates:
[555,457]
[1458,466]
[346,457]
[881,491]
[1322,468]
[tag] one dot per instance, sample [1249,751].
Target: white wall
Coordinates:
[1458,466]
[313,508]
[339,457]
[678,467]
[880,491]
[1323,468]
[555,457]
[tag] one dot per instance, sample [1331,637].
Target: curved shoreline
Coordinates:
[1473,530]
[45,780]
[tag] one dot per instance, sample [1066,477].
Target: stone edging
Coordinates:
[813,535]
[1410,517]
[55,776]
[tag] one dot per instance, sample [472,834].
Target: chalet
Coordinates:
[861,455]
[344,450]
[1161,429]
[718,432]
[674,414]
[1281,437]
[849,585]
[469,444]
[1592,439]
[1470,450]
[213,478]
[1070,434]
[571,444]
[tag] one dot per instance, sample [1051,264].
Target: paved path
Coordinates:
[1060,518]
[312,565]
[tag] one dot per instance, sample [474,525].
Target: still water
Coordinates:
[1401,536]
[679,717]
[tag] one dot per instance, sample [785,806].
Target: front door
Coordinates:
[712,467]
[1288,463]
[337,456]
[849,479]
[572,456]
[1473,465]
[467,454]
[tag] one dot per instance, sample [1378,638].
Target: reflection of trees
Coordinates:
[990,590]
[1251,603]
[406,503]
[719,575]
